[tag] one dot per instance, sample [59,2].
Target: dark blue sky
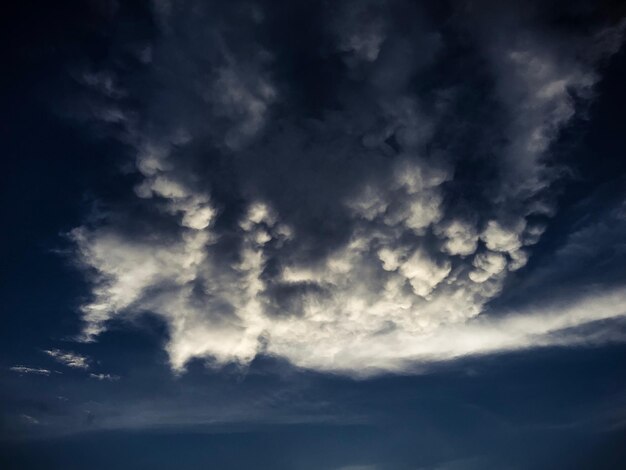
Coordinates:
[349,235]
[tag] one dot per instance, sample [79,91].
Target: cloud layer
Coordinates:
[350,200]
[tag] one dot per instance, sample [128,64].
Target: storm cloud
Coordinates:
[347,187]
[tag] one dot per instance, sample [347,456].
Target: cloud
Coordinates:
[361,226]
[69,359]
[30,370]
[360,28]
[29,419]
[542,72]
[108,377]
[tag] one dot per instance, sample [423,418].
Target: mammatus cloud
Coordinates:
[68,359]
[30,370]
[364,236]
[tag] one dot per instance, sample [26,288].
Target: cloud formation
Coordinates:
[108,377]
[359,226]
[68,358]
[30,370]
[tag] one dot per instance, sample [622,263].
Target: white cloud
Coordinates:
[499,238]
[401,349]
[30,370]
[407,277]
[372,313]
[487,265]
[69,359]
[424,274]
[460,237]
[369,203]
[108,377]
[194,207]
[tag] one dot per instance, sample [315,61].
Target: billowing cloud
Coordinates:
[361,227]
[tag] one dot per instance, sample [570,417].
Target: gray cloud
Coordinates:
[361,236]
[29,419]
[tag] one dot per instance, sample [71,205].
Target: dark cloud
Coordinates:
[339,235]
[307,176]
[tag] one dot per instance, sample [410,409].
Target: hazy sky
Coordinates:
[334,235]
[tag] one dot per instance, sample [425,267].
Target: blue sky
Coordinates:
[348,235]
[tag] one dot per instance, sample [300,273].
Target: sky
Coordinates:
[313,235]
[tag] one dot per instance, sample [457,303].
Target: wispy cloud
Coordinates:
[68,359]
[109,377]
[29,419]
[30,370]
